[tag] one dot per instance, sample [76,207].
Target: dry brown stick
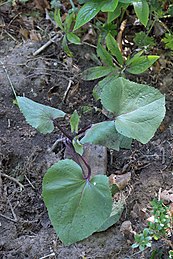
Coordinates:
[56,37]
[120,34]
[14,180]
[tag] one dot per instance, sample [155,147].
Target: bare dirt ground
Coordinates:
[25,229]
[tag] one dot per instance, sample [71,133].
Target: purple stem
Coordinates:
[87,166]
[68,144]
[63,131]
[77,157]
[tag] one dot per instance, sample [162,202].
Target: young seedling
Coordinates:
[78,203]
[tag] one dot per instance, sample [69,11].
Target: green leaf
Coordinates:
[143,41]
[57,18]
[104,55]
[77,146]
[135,245]
[97,72]
[117,210]
[73,38]
[74,122]
[87,12]
[109,6]
[125,142]
[141,64]
[65,47]
[104,134]
[68,21]
[168,40]
[99,87]
[134,58]
[76,206]
[138,109]
[113,15]
[39,116]
[126,1]
[142,11]
[112,46]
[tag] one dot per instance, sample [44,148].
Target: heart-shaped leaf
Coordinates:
[105,134]
[39,116]
[138,109]
[117,210]
[77,207]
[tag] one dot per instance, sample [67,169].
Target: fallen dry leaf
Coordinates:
[167,195]
[42,5]
[35,36]
[24,33]
[120,180]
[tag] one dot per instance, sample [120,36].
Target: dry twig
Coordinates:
[14,180]
[57,37]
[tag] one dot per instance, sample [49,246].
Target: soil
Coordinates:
[25,155]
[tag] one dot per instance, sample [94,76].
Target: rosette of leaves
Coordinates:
[115,65]
[142,40]
[168,40]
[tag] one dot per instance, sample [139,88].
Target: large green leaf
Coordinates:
[142,10]
[98,88]
[141,64]
[77,207]
[138,109]
[112,46]
[105,134]
[117,210]
[39,116]
[97,72]
[109,6]
[87,12]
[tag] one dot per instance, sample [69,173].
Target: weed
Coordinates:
[78,203]
[158,228]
